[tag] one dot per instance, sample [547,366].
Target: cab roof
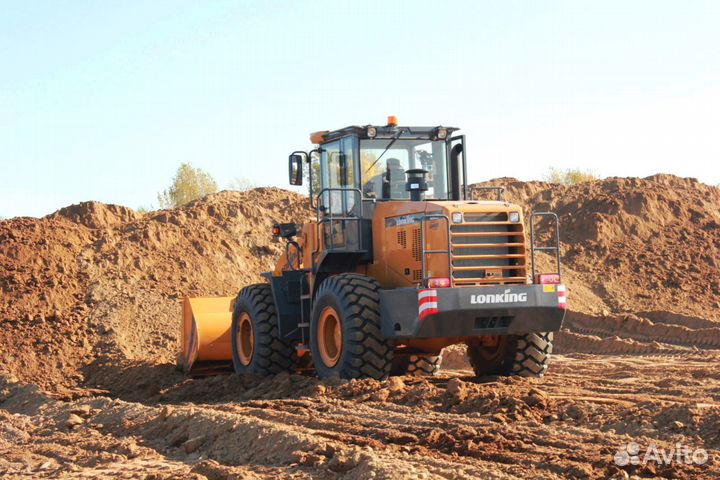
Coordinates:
[387,131]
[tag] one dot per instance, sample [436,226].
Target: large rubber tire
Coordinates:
[363,352]
[416,365]
[270,354]
[522,355]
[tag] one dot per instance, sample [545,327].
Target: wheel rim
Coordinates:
[245,339]
[492,352]
[329,337]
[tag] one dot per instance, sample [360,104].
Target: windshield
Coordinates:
[383,168]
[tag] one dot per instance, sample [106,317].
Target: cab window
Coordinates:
[384,163]
[339,174]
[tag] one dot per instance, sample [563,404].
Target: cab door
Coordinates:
[341,198]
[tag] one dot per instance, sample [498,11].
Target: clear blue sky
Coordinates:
[103,100]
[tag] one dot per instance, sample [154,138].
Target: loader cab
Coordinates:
[354,168]
[372,163]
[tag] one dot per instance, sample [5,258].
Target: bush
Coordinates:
[189,184]
[571,176]
[241,184]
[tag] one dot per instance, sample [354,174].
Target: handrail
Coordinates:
[500,191]
[424,218]
[330,218]
[555,248]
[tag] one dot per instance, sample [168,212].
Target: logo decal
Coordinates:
[505,297]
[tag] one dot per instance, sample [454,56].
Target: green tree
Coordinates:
[571,176]
[189,184]
[315,165]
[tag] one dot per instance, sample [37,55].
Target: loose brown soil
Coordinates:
[90,308]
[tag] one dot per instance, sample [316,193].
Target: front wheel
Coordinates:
[523,355]
[416,365]
[345,337]
[256,344]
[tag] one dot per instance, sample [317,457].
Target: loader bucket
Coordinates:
[205,334]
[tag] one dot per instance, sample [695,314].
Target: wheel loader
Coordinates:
[399,262]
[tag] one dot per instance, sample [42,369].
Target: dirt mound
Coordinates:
[640,244]
[100,280]
[96,214]
[640,257]
[93,282]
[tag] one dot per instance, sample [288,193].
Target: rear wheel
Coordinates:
[416,365]
[523,355]
[345,329]
[256,344]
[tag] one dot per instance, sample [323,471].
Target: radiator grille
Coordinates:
[487,249]
[402,238]
[416,245]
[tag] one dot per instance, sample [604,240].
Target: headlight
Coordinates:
[514,217]
[371,132]
[457,217]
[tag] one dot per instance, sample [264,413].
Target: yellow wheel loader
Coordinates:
[399,263]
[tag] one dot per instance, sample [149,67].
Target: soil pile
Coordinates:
[638,244]
[102,280]
[641,258]
[96,284]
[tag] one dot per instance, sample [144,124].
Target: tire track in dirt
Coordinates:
[645,330]
[567,425]
[568,342]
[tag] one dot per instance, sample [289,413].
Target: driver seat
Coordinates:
[394,181]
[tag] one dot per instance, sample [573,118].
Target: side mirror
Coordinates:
[295,169]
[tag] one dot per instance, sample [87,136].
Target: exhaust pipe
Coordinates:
[416,184]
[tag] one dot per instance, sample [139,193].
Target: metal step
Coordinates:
[487,234]
[496,280]
[488,257]
[488,267]
[487,245]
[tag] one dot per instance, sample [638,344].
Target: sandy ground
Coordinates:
[571,424]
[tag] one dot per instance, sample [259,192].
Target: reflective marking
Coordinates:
[427,293]
[428,305]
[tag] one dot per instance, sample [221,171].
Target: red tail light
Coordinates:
[438,282]
[548,279]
